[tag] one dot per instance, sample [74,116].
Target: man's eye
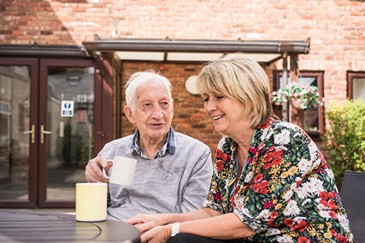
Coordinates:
[146,105]
[219,97]
[165,104]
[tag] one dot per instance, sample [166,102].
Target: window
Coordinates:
[313,119]
[356,85]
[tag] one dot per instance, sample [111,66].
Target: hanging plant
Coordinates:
[300,96]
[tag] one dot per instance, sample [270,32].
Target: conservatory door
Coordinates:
[65,128]
[50,127]
[18,148]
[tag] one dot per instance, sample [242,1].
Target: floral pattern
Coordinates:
[286,192]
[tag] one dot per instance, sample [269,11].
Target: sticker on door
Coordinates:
[67,108]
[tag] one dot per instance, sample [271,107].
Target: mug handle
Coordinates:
[104,172]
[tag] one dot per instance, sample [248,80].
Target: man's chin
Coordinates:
[157,133]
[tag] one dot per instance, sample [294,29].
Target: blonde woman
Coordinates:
[270,183]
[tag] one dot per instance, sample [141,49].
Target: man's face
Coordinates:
[153,111]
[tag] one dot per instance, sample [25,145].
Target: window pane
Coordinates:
[70,121]
[358,88]
[14,144]
[310,120]
[310,116]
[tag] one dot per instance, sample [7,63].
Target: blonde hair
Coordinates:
[242,79]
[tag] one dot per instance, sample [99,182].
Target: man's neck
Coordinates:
[150,147]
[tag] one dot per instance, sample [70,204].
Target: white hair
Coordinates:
[138,79]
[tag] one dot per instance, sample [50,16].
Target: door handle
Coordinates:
[44,132]
[32,132]
[100,133]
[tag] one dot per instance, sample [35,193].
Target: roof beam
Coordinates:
[41,50]
[204,46]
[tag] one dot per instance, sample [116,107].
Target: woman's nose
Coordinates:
[210,106]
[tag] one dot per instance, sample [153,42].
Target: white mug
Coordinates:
[91,202]
[122,171]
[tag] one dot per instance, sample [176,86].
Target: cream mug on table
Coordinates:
[91,202]
[122,171]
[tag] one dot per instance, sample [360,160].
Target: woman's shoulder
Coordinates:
[278,127]
[278,133]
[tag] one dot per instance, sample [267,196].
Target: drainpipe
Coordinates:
[283,84]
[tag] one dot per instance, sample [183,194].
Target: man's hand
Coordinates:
[94,170]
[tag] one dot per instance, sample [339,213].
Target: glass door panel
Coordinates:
[14,132]
[47,129]
[69,130]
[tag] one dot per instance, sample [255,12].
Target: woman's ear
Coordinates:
[129,114]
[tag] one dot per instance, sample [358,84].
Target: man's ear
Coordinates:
[129,114]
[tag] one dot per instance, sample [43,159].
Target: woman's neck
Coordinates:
[244,141]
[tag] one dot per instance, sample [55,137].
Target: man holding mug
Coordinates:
[173,170]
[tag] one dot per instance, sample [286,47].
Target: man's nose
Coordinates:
[157,112]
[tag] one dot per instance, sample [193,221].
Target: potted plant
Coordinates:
[298,95]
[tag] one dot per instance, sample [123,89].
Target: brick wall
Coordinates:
[189,116]
[336,29]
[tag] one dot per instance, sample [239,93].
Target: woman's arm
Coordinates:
[145,222]
[222,226]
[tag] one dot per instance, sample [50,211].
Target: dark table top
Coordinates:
[26,226]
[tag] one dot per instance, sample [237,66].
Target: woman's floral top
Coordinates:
[286,192]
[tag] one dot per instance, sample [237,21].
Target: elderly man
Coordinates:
[173,170]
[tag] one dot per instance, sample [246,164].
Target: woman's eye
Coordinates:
[219,97]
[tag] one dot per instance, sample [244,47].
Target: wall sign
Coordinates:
[67,108]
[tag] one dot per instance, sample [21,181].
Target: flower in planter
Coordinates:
[300,96]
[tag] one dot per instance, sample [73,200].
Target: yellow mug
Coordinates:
[91,202]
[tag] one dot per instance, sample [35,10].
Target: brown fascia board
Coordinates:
[111,45]
[206,46]
[42,50]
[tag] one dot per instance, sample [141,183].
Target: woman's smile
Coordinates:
[217,117]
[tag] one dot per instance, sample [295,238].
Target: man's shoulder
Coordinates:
[120,141]
[186,139]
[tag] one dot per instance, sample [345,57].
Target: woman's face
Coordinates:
[227,114]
